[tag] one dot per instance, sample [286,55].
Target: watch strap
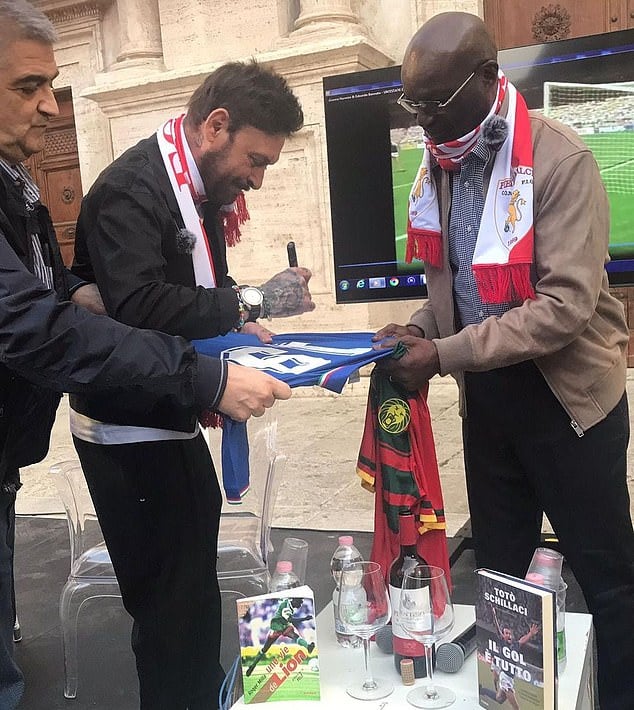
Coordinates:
[250,314]
[243,311]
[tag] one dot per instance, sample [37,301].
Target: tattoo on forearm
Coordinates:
[284,294]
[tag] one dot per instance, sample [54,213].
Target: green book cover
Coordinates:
[278,646]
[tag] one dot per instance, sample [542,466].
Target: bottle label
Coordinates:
[561,645]
[404,644]
[339,628]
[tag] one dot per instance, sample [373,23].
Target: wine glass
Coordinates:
[364,608]
[426,613]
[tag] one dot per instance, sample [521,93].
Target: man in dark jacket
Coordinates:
[152,232]
[47,344]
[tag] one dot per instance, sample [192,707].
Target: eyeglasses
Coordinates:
[430,108]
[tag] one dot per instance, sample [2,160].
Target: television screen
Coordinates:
[374,150]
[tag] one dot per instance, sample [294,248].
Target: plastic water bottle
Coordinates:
[355,601]
[561,626]
[545,570]
[343,555]
[284,577]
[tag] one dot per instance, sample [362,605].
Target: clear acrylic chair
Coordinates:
[91,572]
[243,542]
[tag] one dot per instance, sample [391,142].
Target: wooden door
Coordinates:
[515,24]
[628,19]
[56,172]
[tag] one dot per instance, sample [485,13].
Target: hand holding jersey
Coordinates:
[250,392]
[417,365]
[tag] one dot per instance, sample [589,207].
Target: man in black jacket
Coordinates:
[47,344]
[152,232]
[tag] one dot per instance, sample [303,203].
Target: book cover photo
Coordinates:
[516,644]
[278,646]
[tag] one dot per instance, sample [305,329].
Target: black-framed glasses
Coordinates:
[430,108]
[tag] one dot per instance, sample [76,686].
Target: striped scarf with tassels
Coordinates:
[503,256]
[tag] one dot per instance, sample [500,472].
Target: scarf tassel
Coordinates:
[501,283]
[232,219]
[209,419]
[424,245]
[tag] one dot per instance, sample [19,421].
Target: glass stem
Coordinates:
[430,690]
[370,683]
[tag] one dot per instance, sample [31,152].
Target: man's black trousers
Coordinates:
[522,458]
[159,504]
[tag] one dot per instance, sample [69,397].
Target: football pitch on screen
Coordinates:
[614,153]
[404,168]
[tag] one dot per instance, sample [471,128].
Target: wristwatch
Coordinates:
[253,300]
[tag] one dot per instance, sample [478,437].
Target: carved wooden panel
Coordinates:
[535,21]
[63,192]
[532,22]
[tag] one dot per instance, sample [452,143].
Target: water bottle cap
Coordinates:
[546,556]
[535,578]
[346,540]
[284,566]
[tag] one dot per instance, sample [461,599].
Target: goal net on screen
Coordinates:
[603,115]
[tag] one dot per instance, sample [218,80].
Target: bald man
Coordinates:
[511,219]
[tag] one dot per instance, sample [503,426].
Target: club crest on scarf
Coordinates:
[394,416]
[509,207]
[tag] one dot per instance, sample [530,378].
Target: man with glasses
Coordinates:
[509,214]
[431,107]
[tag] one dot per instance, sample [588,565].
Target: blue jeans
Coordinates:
[11,678]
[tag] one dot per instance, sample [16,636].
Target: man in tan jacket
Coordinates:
[511,219]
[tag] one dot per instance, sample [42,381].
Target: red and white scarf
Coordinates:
[503,253]
[171,141]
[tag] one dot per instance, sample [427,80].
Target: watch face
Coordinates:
[252,296]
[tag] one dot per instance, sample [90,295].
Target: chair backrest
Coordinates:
[244,527]
[247,526]
[83,527]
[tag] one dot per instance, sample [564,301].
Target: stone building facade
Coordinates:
[132,63]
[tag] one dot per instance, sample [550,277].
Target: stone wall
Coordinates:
[133,63]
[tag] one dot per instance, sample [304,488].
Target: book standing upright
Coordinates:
[278,650]
[516,643]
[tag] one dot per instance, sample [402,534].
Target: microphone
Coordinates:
[450,657]
[384,639]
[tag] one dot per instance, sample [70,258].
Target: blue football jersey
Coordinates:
[299,359]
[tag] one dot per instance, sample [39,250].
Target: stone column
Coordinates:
[315,14]
[139,32]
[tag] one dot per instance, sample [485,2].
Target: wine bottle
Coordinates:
[404,644]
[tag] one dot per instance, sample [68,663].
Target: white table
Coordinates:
[340,667]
